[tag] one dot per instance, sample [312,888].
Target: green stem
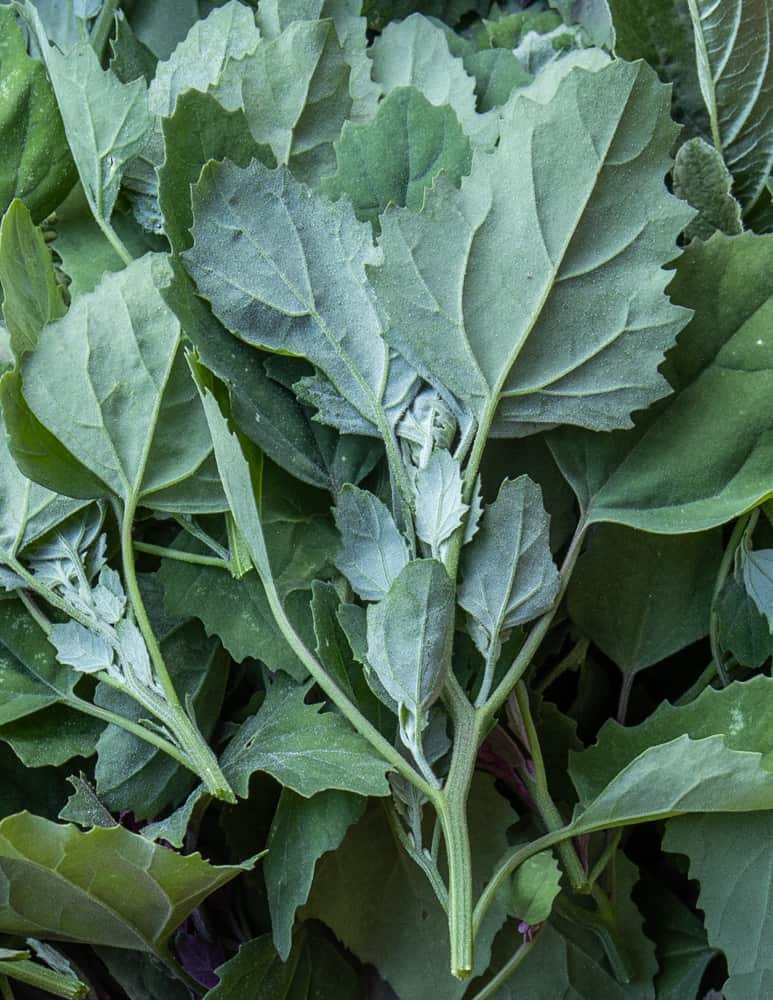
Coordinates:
[195,558]
[34,612]
[33,974]
[148,735]
[112,237]
[546,807]
[190,526]
[604,925]
[625,695]
[538,631]
[493,986]
[706,677]
[746,521]
[424,860]
[604,858]
[573,659]
[5,989]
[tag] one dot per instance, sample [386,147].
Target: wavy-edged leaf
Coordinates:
[303,830]
[108,383]
[702,179]
[731,857]
[373,551]
[37,164]
[532,250]
[305,749]
[104,887]
[394,158]
[699,459]
[642,598]
[734,51]
[508,573]
[268,256]
[31,295]
[439,507]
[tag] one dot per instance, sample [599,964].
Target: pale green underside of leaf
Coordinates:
[537,285]
[706,455]
[757,570]
[302,831]
[373,552]
[285,270]
[110,383]
[307,750]
[105,887]
[641,599]
[731,857]
[734,47]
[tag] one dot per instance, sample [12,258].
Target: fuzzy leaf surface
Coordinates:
[373,552]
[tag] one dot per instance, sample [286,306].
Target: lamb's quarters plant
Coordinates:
[384,487]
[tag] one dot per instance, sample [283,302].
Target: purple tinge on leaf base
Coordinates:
[528,930]
[199,955]
[491,758]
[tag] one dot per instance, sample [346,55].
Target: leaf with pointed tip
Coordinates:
[698,460]
[439,507]
[702,179]
[493,319]
[304,748]
[373,551]
[106,122]
[302,831]
[743,631]
[735,70]
[31,296]
[508,573]
[731,857]
[36,164]
[283,241]
[641,598]
[173,828]
[533,887]
[757,574]
[410,635]
[104,887]
[108,382]
[83,806]
[394,158]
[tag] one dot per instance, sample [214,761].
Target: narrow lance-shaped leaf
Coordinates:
[410,633]
[528,312]
[302,287]
[373,551]
[508,573]
[110,388]
[733,46]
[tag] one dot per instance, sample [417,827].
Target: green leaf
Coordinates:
[129,58]
[415,53]
[173,827]
[305,749]
[303,831]
[106,122]
[265,227]
[53,736]
[497,74]
[162,27]
[702,179]
[508,574]
[743,631]
[199,130]
[36,164]
[660,32]
[31,296]
[757,574]
[395,916]
[410,637]
[733,49]
[533,887]
[738,712]
[396,157]
[142,977]
[132,775]
[105,887]
[381,12]
[373,552]
[642,597]
[491,320]
[439,507]
[731,857]
[109,382]
[83,806]
[698,460]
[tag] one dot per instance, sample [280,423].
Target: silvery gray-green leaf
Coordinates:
[415,53]
[508,574]
[702,179]
[532,256]
[439,506]
[373,552]
[110,383]
[735,69]
[410,633]
[106,122]
[285,270]
[80,648]
[757,572]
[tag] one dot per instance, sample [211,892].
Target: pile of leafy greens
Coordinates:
[386,565]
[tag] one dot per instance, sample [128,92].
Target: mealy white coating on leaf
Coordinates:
[439,506]
[78,647]
[508,574]
[373,552]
